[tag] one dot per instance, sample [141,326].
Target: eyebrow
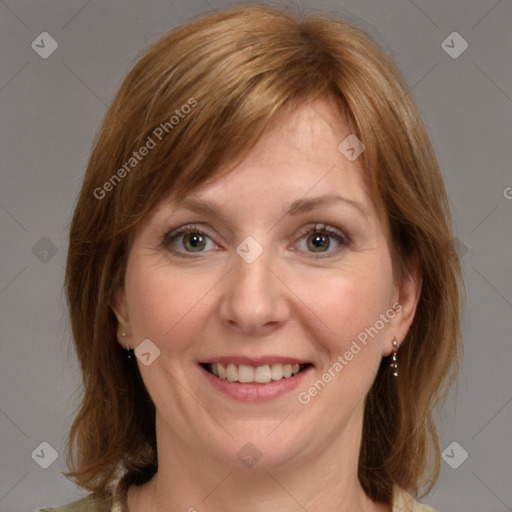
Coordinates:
[305,205]
[298,207]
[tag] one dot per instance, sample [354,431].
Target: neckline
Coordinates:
[401,500]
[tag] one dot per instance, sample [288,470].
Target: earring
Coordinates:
[128,351]
[394,362]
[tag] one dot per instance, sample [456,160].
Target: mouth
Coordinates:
[249,374]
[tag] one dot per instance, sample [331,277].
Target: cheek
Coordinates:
[347,307]
[163,304]
[348,331]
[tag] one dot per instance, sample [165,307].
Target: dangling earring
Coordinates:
[128,350]
[394,362]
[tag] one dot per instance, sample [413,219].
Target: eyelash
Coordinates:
[342,238]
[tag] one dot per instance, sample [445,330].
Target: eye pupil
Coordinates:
[320,242]
[195,241]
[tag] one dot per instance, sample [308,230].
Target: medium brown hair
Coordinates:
[237,70]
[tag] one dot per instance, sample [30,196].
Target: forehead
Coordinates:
[298,156]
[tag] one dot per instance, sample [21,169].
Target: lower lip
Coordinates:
[256,392]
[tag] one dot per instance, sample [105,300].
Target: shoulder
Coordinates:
[404,502]
[91,503]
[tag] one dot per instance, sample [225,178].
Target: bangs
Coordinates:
[210,107]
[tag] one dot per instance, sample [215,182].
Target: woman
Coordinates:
[263,287]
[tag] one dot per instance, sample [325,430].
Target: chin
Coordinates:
[261,445]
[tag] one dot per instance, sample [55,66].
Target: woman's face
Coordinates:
[284,261]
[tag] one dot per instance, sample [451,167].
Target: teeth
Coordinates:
[277,371]
[262,374]
[231,373]
[247,374]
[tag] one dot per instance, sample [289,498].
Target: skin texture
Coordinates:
[288,302]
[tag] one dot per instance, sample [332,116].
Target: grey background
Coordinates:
[50,110]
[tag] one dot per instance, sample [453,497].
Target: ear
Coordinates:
[406,301]
[119,306]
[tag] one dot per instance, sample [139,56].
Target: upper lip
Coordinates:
[254,361]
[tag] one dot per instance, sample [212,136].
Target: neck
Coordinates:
[194,481]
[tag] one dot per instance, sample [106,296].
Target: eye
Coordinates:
[188,239]
[320,238]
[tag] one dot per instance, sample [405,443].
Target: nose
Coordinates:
[254,299]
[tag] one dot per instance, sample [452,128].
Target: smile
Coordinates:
[255,379]
[248,374]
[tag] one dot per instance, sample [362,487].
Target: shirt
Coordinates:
[402,501]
